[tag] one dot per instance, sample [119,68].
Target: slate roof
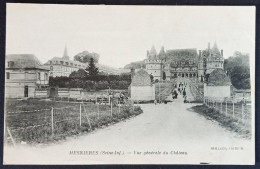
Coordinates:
[25,61]
[214,51]
[218,77]
[152,53]
[161,54]
[181,54]
[141,78]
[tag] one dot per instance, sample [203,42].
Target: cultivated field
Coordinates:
[41,121]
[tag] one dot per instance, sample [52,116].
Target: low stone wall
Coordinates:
[41,93]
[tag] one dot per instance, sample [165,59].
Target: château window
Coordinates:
[7,75]
[39,76]
[50,62]
[51,67]
[46,76]
[61,62]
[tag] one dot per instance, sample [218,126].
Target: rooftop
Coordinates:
[218,77]
[141,78]
[28,61]
[182,54]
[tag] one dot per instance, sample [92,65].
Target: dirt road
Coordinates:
[170,128]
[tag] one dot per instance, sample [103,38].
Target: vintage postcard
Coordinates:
[99,84]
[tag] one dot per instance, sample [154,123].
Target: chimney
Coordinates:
[209,46]
[221,52]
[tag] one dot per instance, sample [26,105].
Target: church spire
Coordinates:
[65,54]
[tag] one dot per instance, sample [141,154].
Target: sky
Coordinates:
[123,34]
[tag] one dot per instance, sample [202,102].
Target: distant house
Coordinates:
[63,66]
[217,85]
[141,88]
[24,74]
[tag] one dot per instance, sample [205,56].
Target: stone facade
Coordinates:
[209,60]
[63,66]
[183,63]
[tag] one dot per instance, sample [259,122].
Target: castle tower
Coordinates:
[200,66]
[215,59]
[65,54]
[154,64]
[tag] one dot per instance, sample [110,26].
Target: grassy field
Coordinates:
[232,124]
[31,120]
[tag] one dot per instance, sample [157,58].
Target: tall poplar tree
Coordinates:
[92,69]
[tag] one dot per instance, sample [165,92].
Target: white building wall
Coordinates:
[217,91]
[145,93]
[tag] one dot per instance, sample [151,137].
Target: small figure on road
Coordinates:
[184,93]
[155,102]
[185,99]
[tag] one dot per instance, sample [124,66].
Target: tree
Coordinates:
[81,73]
[85,56]
[164,75]
[240,77]
[92,69]
[238,59]
[237,67]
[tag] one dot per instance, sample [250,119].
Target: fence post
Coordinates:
[133,106]
[11,137]
[118,108]
[80,115]
[226,107]
[242,116]
[221,107]
[52,125]
[233,109]
[87,117]
[111,113]
[98,109]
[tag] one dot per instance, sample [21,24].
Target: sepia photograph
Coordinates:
[108,84]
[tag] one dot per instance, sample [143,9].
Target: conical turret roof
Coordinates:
[215,51]
[161,54]
[152,53]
